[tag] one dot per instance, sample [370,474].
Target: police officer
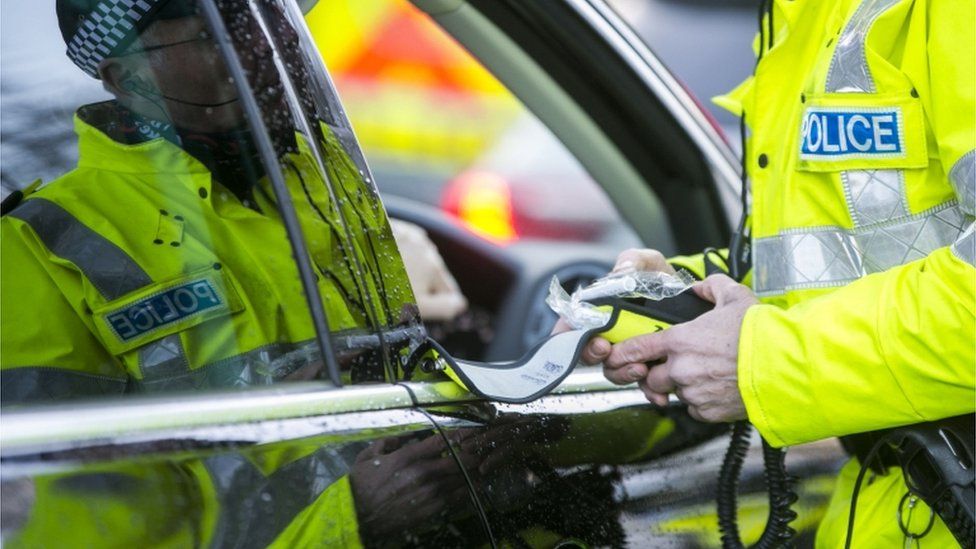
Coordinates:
[161,263]
[162,256]
[859,309]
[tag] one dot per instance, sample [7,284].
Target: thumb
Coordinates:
[719,289]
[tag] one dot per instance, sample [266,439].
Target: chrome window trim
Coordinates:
[69,424]
[268,414]
[724,162]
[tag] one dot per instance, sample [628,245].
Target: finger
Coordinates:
[378,448]
[652,395]
[498,459]
[718,288]
[695,413]
[432,446]
[596,351]
[626,374]
[659,379]
[636,259]
[645,348]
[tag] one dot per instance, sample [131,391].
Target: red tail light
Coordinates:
[483,202]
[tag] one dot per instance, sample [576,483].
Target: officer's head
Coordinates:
[157,58]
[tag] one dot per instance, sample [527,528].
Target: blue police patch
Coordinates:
[164,309]
[841,133]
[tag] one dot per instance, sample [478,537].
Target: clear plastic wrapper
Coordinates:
[580,314]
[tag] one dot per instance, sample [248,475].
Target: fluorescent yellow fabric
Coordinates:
[886,492]
[695,264]
[159,205]
[96,510]
[894,348]
[891,348]
[329,522]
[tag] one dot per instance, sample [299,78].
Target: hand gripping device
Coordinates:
[548,363]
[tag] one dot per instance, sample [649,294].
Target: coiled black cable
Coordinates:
[778,531]
[728,484]
[779,484]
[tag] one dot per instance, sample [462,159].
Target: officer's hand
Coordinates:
[629,260]
[401,485]
[699,357]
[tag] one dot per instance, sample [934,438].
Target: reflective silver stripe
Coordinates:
[826,257]
[163,359]
[965,246]
[107,267]
[255,509]
[262,366]
[849,67]
[42,384]
[963,179]
[875,196]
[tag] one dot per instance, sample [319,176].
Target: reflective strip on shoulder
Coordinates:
[165,370]
[105,265]
[849,70]
[254,508]
[42,384]
[826,257]
[963,179]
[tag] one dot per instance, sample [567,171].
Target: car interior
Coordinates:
[627,139]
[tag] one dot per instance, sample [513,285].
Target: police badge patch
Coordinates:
[844,133]
[164,308]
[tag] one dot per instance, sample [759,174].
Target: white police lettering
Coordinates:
[858,125]
[840,133]
[164,308]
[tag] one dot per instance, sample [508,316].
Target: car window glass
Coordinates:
[439,129]
[707,45]
[152,255]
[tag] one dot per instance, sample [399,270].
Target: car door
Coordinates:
[215,438]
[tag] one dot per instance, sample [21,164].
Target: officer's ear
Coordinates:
[122,80]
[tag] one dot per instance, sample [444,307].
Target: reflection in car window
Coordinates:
[373,479]
[439,129]
[161,262]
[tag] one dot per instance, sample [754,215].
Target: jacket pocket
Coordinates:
[860,131]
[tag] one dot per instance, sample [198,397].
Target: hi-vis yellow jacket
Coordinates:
[143,274]
[862,160]
[138,272]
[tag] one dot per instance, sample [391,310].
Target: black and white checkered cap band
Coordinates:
[110,24]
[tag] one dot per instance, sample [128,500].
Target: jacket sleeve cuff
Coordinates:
[749,379]
[694,264]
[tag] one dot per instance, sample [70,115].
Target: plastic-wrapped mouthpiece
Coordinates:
[580,314]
